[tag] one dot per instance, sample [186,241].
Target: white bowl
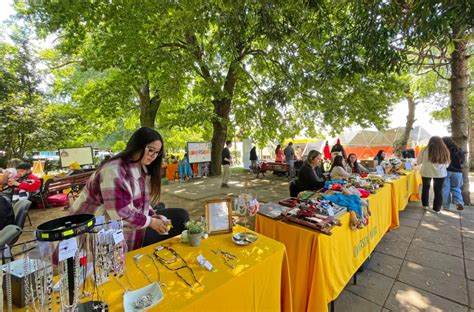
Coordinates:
[129,298]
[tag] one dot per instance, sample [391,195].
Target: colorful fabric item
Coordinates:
[351,202]
[119,189]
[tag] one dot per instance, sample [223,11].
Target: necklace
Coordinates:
[8,278]
[64,283]
[29,294]
[227,256]
[137,258]
[176,258]
[1,288]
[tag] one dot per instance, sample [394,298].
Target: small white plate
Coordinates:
[129,298]
[244,238]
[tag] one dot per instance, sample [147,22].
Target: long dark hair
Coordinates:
[277,148]
[337,162]
[438,153]
[379,155]
[356,163]
[136,146]
[451,145]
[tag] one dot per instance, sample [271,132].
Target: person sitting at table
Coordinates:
[337,170]
[184,169]
[380,156]
[6,211]
[126,185]
[22,184]
[310,175]
[353,166]
[10,171]
[74,168]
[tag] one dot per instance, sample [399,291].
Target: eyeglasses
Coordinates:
[175,258]
[153,152]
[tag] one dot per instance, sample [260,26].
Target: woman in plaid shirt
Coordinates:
[124,186]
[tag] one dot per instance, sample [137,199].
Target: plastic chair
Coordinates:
[9,235]
[20,209]
[294,190]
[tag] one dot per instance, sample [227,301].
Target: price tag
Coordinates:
[118,237]
[67,249]
[330,211]
[114,224]
[203,262]
[99,220]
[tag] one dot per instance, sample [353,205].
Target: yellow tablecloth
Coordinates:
[404,189]
[259,282]
[321,265]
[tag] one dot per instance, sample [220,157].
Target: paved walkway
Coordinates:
[425,265]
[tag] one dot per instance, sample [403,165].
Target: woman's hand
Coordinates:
[158,225]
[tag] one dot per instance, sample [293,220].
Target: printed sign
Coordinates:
[199,152]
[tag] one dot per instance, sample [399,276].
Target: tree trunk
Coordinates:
[401,144]
[459,106]
[471,139]
[219,136]
[221,120]
[148,105]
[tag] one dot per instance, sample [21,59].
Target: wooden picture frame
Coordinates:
[219,215]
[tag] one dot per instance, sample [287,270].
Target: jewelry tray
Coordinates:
[129,298]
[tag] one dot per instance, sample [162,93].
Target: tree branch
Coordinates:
[65,64]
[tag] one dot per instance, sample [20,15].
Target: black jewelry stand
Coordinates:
[64,228]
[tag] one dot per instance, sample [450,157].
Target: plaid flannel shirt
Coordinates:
[119,189]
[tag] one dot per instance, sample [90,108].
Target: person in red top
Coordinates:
[24,179]
[278,154]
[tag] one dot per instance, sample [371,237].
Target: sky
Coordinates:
[397,117]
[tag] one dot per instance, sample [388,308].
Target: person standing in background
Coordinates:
[290,159]
[434,159]
[278,154]
[226,161]
[454,179]
[253,158]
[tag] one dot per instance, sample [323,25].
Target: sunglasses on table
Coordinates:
[167,256]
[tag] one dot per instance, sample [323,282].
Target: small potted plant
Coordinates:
[195,231]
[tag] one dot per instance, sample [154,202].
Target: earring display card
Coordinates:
[18,279]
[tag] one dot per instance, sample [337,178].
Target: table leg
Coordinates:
[355,278]
[332,306]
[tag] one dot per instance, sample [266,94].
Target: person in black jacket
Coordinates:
[253,158]
[6,212]
[454,180]
[310,175]
[226,161]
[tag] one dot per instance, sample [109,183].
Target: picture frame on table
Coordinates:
[218,215]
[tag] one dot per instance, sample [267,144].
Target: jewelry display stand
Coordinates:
[65,228]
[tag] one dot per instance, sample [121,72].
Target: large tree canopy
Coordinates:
[259,69]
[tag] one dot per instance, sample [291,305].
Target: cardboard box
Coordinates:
[369,163]
[18,281]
